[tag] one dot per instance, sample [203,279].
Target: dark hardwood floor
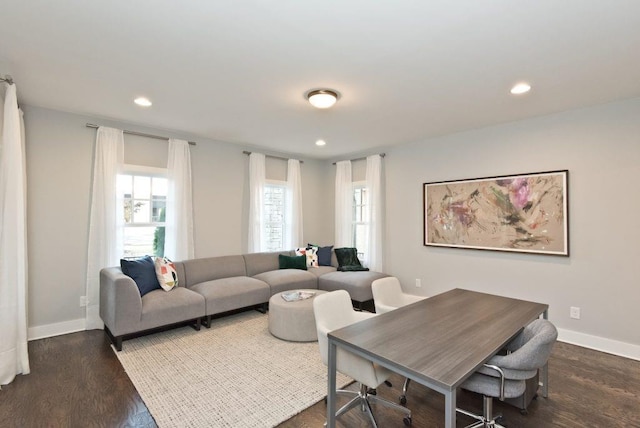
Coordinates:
[77,381]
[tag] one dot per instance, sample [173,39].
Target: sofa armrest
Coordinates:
[120,301]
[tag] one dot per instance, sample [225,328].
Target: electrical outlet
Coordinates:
[418,283]
[83,301]
[574,312]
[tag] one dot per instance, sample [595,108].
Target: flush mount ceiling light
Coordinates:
[143,102]
[322,98]
[321,143]
[520,88]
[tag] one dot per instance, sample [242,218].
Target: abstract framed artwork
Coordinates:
[519,213]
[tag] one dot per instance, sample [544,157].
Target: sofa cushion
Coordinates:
[208,269]
[288,279]
[226,294]
[161,308]
[321,270]
[143,272]
[358,284]
[263,262]
[292,262]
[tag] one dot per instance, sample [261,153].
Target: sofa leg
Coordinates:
[117,341]
[198,323]
[262,308]
[208,321]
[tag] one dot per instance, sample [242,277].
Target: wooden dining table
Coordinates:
[437,342]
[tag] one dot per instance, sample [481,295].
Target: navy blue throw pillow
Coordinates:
[324,255]
[143,272]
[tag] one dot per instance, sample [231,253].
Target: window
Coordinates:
[144,196]
[274,215]
[360,218]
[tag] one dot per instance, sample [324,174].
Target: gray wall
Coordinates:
[60,153]
[600,147]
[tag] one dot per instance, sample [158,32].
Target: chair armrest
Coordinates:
[381,308]
[120,301]
[501,376]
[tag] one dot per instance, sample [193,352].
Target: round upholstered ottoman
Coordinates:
[294,320]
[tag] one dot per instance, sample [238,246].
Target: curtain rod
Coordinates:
[139,134]
[7,79]
[270,156]
[363,158]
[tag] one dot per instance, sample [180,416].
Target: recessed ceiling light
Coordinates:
[142,102]
[321,143]
[322,98]
[520,88]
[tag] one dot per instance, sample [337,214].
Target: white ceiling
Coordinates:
[237,71]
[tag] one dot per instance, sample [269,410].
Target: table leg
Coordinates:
[331,386]
[450,409]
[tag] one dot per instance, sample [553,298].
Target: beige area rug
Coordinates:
[235,374]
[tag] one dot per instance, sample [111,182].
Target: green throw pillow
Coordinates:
[292,262]
[347,257]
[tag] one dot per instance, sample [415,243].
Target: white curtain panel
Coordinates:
[105,246]
[344,205]
[293,236]
[179,241]
[257,180]
[14,358]
[374,253]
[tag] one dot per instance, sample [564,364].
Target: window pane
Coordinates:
[128,210]
[274,217]
[361,239]
[141,187]
[158,241]
[141,211]
[158,213]
[138,241]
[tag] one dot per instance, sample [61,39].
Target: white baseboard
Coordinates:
[50,330]
[602,344]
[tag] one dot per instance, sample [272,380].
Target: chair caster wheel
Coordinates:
[372,391]
[524,412]
[389,384]
[407,421]
[403,399]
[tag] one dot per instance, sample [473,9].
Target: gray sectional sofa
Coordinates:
[212,286]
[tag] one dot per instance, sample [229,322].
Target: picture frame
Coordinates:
[525,213]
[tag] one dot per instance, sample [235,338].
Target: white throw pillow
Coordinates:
[310,254]
[166,273]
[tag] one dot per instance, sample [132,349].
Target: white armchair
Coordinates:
[387,296]
[333,311]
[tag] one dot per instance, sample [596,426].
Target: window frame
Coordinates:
[140,171]
[283,185]
[364,205]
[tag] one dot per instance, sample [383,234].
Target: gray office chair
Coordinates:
[334,311]
[387,296]
[504,376]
